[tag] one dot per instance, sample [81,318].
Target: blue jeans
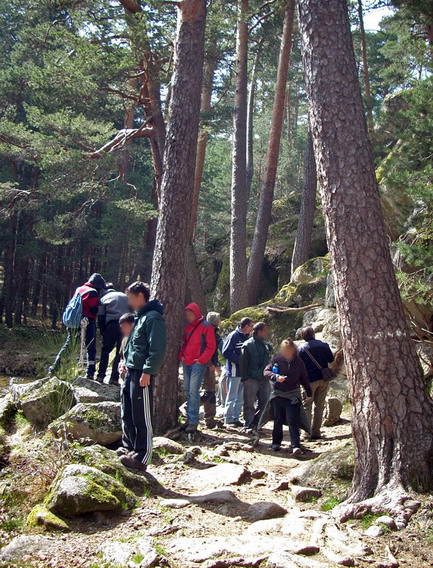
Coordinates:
[193,376]
[234,399]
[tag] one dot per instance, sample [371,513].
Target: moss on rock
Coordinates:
[41,516]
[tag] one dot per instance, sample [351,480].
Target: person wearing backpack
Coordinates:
[198,348]
[316,356]
[82,306]
[112,305]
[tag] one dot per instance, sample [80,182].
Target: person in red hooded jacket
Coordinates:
[198,347]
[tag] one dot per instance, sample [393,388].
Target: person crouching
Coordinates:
[287,372]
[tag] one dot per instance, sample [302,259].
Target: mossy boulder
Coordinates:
[8,410]
[164,446]
[314,268]
[336,465]
[108,462]
[88,390]
[41,516]
[45,400]
[97,423]
[82,489]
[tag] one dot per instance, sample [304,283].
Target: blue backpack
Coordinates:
[73,313]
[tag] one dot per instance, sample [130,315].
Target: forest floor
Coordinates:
[220,532]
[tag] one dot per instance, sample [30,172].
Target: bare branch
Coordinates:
[119,141]
[286,310]
[271,13]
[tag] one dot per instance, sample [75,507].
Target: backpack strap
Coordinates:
[310,355]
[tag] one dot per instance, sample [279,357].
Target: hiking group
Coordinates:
[289,388]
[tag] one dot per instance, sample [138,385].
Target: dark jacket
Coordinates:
[146,345]
[321,352]
[198,339]
[112,306]
[254,358]
[215,359]
[231,351]
[295,372]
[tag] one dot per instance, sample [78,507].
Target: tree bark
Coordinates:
[238,225]
[250,118]
[368,102]
[301,250]
[392,415]
[267,192]
[168,270]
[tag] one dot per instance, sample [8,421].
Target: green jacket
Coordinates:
[254,358]
[146,345]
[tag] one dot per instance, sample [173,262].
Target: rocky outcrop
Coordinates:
[98,423]
[329,467]
[41,516]
[82,489]
[7,410]
[87,390]
[333,409]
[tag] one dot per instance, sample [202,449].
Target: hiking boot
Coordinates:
[297,451]
[132,463]
[276,448]
[214,424]
[122,451]
[191,428]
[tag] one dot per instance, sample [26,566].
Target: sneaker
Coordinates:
[122,451]
[237,424]
[132,463]
[297,451]
[276,448]
[50,371]
[191,428]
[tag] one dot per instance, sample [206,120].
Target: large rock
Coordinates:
[44,400]
[334,465]
[108,462]
[82,489]
[40,516]
[218,476]
[23,547]
[7,410]
[333,409]
[265,510]
[95,422]
[305,494]
[88,390]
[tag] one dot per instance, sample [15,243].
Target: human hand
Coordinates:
[308,400]
[281,378]
[144,380]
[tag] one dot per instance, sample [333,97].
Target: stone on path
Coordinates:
[217,476]
[387,521]
[116,553]
[218,497]
[288,560]
[265,510]
[374,531]
[174,503]
[333,410]
[22,547]
[305,494]
[337,558]
[97,422]
[163,445]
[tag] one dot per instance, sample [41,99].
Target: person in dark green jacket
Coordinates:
[254,358]
[144,355]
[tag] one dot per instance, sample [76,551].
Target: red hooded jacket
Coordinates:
[89,300]
[198,339]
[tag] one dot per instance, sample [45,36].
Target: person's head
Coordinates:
[288,349]
[192,312]
[261,330]
[214,318]
[109,286]
[307,333]
[246,325]
[138,295]
[126,323]
[97,281]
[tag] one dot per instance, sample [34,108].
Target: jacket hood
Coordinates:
[97,281]
[195,309]
[154,305]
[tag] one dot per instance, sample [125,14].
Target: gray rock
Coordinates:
[44,400]
[7,410]
[338,558]
[116,553]
[305,494]
[333,409]
[265,510]
[374,531]
[334,464]
[101,391]
[220,475]
[82,489]
[163,446]
[219,496]
[386,521]
[24,546]
[175,503]
[339,387]
[95,422]
[288,560]
[146,548]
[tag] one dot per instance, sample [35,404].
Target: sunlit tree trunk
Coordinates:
[177,187]
[368,101]
[250,118]
[267,191]
[392,416]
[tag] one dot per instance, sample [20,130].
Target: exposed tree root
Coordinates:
[394,502]
[300,309]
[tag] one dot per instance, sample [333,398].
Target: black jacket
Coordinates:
[295,372]
[219,343]
[321,352]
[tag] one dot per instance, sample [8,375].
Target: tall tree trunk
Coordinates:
[267,192]
[301,250]
[238,226]
[168,270]
[365,68]
[250,118]
[9,273]
[392,416]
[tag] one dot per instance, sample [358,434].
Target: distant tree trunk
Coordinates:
[168,270]
[238,226]
[250,118]
[9,273]
[301,250]
[195,286]
[392,416]
[365,68]
[267,192]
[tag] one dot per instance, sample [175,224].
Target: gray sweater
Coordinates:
[112,306]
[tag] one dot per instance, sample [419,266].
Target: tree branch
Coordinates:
[260,20]
[119,141]
[131,6]
[286,310]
